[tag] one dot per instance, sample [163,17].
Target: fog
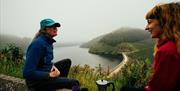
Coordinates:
[81,20]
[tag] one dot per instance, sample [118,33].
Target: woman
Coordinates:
[163,23]
[39,71]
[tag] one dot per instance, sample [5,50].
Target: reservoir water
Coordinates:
[81,56]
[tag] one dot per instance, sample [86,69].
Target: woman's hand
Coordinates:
[54,72]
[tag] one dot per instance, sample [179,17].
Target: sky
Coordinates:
[81,20]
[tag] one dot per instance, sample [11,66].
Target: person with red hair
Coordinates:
[163,23]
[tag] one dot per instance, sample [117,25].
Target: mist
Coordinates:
[81,20]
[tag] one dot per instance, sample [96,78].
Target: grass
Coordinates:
[135,73]
[11,68]
[85,75]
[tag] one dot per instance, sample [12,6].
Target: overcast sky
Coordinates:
[81,20]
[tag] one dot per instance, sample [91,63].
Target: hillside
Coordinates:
[11,39]
[135,42]
[91,42]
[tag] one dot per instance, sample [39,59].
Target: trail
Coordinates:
[116,69]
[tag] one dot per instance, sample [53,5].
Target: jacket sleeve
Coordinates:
[165,74]
[33,56]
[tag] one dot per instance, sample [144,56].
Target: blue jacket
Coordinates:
[38,58]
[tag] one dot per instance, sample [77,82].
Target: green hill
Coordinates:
[131,40]
[11,39]
[91,42]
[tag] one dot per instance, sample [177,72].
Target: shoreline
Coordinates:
[116,69]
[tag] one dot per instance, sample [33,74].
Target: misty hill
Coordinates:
[24,42]
[133,40]
[11,39]
[124,34]
[91,42]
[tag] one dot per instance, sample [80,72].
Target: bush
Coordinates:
[85,75]
[11,61]
[11,52]
[135,73]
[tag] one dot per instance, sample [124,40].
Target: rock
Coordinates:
[9,83]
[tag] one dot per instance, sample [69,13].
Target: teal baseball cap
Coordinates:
[48,23]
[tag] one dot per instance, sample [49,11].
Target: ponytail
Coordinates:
[38,33]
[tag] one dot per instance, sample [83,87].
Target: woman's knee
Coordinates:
[62,62]
[67,61]
[75,82]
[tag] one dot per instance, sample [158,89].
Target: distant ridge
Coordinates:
[6,39]
[124,39]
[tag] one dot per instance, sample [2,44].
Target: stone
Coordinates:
[9,83]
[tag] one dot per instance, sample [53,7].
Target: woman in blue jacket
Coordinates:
[39,71]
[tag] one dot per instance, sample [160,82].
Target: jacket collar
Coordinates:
[162,41]
[47,39]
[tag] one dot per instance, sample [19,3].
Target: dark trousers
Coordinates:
[60,82]
[126,88]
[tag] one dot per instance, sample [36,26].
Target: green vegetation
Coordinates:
[134,42]
[124,35]
[12,49]
[11,61]
[18,41]
[137,45]
[135,73]
[86,75]
[91,42]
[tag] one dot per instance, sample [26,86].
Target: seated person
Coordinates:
[39,72]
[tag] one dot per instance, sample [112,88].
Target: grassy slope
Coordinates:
[135,41]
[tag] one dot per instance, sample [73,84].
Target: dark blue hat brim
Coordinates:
[57,25]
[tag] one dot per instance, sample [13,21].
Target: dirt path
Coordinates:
[116,69]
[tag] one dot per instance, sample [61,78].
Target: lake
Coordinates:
[81,56]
